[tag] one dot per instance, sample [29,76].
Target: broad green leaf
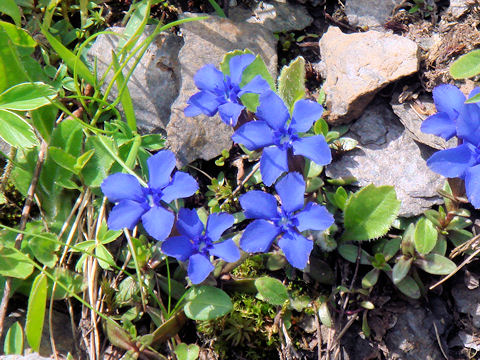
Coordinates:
[36,312]
[63,159]
[291,82]
[14,264]
[409,287]
[401,269]
[324,315]
[105,258]
[126,291]
[350,252]
[320,127]
[97,168]
[14,340]
[271,290]
[370,212]
[73,281]
[436,264]
[187,352]
[370,278]
[24,43]
[207,303]
[425,236]
[43,249]
[10,8]
[16,131]
[11,67]
[83,160]
[70,59]
[466,66]
[27,96]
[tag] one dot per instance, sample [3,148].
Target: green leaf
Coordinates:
[409,287]
[370,278]
[36,312]
[10,8]
[83,159]
[466,66]
[14,264]
[291,82]
[135,26]
[105,258]
[320,127]
[125,97]
[187,352]
[425,236]
[271,290]
[207,303]
[24,43]
[350,252]
[401,269]
[436,264]
[63,159]
[324,315]
[97,168]
[370,212]
[43,249]
[218,10]
[16,131]
[73,281]
[27,96]
[14,340]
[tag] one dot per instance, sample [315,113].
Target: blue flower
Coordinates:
[219,92]
[135,202]
[197,244]
[288,220]
[278,136]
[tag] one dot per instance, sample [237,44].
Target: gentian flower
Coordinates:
[197,244]
[219,92]
[278,136]
[287,221]
[135,202]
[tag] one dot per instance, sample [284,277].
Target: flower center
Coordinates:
[153,197]
[285,221]
[204,244]
[230,91]
[285,138]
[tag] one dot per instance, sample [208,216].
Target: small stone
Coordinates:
[206,42]
[356,66]
[154,83]
[458,8]
[276,16]
[369,13]
[386,155]
[409,113]
[467,302]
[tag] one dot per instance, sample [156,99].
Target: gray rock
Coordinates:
[458,8]
[206,42]
[33,356]
[154,83]
[371,13]
[356,66]
[386,155]
[467,302]
[276,16]
[409,114]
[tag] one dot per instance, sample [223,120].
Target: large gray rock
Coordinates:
[386,155]
[370,13]
[467,302]
[276,16]
[411,116]
[206,42]
[356,66]
[154,83]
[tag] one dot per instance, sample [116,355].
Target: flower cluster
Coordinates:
[276,131]
[460,119]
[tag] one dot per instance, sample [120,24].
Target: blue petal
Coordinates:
[125,214]
[452,162]
[118,187]
[305,113]
[468,124]
[207,102]
[179,247]
[192,110]
[441,125]
[314,217]
[272,110]
[259,205]
[199,267]
[273,163]
[449,99]
[258,236]
[217,224]
[182,185]
[313,147]
[291,190]
[257,85]
[226,250]
[160,167]
[254,135]
[238,64]
[229,113]
[189,223]
[296,248]
[158,222]
[209,78]
[472,185]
